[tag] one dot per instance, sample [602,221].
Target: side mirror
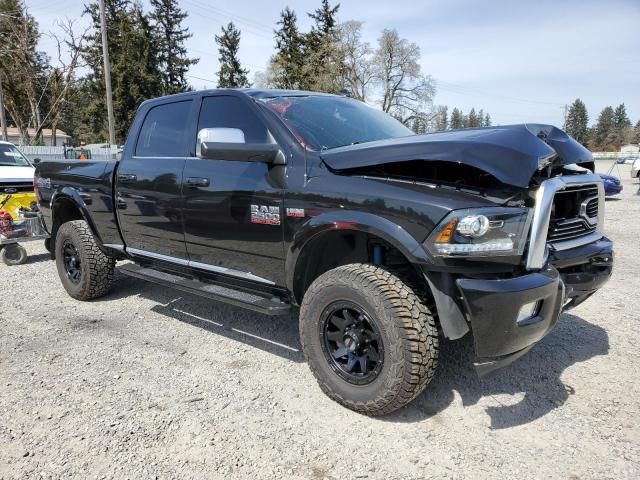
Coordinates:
[229,144]
[36,161]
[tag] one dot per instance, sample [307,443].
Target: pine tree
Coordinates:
[323,68]
[481,118]
[620,118]
[457,119]
[287,64]
[603,128]
[487,120]
[135,73]
[577,122]
[636,133]
[231,73]
[473,118]
[167,20]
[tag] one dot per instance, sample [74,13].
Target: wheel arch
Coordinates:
[337,238]
[66,205]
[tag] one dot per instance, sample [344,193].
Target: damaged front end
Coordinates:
[546,225]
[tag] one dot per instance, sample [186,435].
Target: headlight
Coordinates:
[481,232]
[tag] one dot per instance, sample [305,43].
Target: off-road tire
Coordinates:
[13,254]
[96,267]
[408,330]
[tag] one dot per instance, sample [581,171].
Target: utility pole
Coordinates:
[3,118]
[107,75]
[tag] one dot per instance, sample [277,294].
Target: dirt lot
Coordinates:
[147,383]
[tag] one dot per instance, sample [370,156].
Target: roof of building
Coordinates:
[46,132]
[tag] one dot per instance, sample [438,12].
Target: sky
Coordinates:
[521,61]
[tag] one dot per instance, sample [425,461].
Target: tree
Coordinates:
[456,119]
[323,67]
[604,126]
[577,122]
[231,73]
[472,119]
[359,72]
[441,121]
[135,71]
[286,66]
[620,118]
[636,133]
[24,70]
[167,18]
[487,120]
[406,93]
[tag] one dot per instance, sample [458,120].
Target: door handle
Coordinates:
[195,182]
[127,178]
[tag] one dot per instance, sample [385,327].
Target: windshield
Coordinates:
[324,122]
[10,156]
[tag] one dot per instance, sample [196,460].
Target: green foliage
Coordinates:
[288,62]
[457,119]
[323,66]
[231,73]
[604,126]
[166,19]
[577,121]
[620,118]
[135,68]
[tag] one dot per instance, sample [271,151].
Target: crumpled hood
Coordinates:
[16,174]
[511,153]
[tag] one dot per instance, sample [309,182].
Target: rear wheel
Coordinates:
[369,340]
[84,270]
[14,254]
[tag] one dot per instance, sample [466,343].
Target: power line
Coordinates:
[260,32]
[472,91]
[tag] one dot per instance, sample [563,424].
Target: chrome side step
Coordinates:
[218,293]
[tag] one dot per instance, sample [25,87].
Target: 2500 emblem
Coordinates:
[265,214]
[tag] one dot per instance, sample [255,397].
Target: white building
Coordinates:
[630,148]
[13,135]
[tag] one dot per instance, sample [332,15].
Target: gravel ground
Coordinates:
[148,383]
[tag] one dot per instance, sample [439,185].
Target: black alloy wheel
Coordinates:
[72,262]
[351,342]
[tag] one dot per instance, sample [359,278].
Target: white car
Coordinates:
[635,168]
[16,172]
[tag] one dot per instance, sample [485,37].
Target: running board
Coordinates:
[208,290]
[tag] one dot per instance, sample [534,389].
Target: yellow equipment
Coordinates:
[11,202]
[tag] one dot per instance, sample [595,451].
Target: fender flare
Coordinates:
[72,195]
[354,220]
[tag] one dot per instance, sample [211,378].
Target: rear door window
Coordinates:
[162,132]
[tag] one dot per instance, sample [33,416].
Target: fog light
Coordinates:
[527,313]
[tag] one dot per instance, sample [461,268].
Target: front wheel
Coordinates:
[369,340]
[85,271]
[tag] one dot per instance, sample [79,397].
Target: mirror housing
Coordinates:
[229,144]
[36,161]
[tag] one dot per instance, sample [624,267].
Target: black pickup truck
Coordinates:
[386,241]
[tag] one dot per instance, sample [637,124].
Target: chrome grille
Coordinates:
[574,213]
[592,208]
